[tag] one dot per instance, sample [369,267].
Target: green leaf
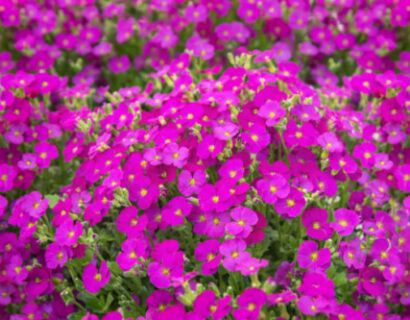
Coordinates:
[52,199]
[114,268]
[77,315]
[91,301]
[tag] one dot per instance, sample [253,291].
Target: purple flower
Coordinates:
[119,64]
[310,257]
[28,161]
[56,255]
[175,210]
[372,281]
[33,204]
[347,221]
[189,183]
[7,176]
[284,273]
[272,111]
[16,270]
[196,13]
[208,251]
[207,305]
[68,232]
[250,303]
[45,153]
[245,219]
[168,264]
[274,188]
[175,155]
[292,205]
[16,133]
[232,168]
[315,221]
[233,251]
[329,141]
[94,279]
[133,251]
[130,223]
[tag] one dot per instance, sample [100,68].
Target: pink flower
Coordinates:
[175,210]
[119,64]
[94,279]
[347,221]
[175,155]
[7,176]
[245,219]
[315,221]
[310,257]
[129,223]
[56,255]
[189,183]
[68,232]
[45,153]
[196,13]
[208,251]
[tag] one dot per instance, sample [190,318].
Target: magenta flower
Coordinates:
[329,141]
[212,224]
[282,297]
[312,306]
[119,64]
[133,251]
[166,38]
[16,270]
[226,132]
[310,257]
[272,111]
[256,138]
[292,205]
[245,219]
[189,183]
[315,221]
[233,251]
[68,232]
[168,264]
[3,205]
[275,188]
[212,198]
[94,279]
[250,303]
[206,305]
[45,153]
[7,176]
[208,251]
[232,168]
[175,210]
[34,204]
[175,155]
[317,284]
[284,273]
[209,147]
[196,14]
[56,255]
[249,265]
[144,192]
[372,281]
[347,221]
[130,223]
[365,153]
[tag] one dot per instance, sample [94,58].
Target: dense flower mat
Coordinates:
[207,159]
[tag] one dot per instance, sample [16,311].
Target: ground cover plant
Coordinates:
[215,159]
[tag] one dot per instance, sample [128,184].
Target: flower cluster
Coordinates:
[212,159]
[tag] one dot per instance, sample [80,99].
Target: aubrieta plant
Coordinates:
[193,160]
